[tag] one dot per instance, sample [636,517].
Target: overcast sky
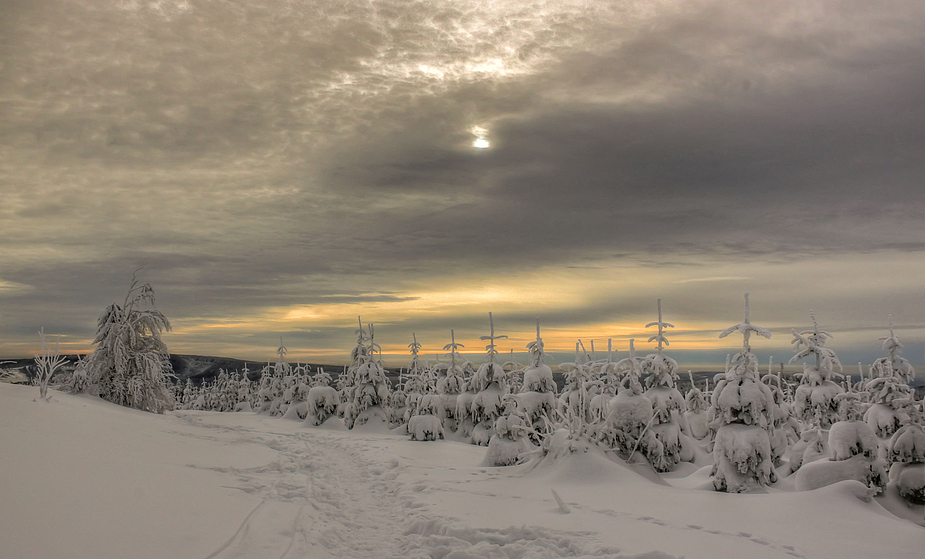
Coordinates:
[282,166]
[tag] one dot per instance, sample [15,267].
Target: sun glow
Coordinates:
[481,137]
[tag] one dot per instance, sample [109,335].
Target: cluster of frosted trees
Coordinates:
[822,428]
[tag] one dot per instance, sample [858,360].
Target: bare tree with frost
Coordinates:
[47,364]
[130,365]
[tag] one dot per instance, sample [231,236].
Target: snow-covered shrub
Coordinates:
[853,452]
[826,472]
[47,364]
[907,453]
[510,440]
[322,402]
[130,365]
[425,428]
[742,418]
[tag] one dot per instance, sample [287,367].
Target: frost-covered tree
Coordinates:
[322,399]
[888,387]
[742,407]
[47,364]
[814,400]
[130,365]
[486,405]
[667,403]
[537,399]
[451,383]
[575,402]
[626,427]
[369,393]
[510,441]
[906,451]
[853,452]
[696,414]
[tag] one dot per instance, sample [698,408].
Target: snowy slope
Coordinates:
[86,479]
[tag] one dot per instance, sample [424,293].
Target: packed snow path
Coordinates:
[327,496]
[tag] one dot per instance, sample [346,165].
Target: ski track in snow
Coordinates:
[324,497]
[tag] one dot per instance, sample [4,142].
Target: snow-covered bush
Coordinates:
[907,453]
[425,428]
[130,365]
[322,402]
[510,440]
[47,364]
[742,417]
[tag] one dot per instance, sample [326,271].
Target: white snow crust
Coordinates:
[86,479]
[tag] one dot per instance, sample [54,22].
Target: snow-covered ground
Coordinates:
[83,478]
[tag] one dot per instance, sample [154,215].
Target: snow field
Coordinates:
[87,479]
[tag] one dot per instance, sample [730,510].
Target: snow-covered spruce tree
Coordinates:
[131,365]
[47,364]
[486,405]
[369,392]
[667,404]
[626,427]
[537,400]
[575,402]
[696,414]
[888,387]
[322,399]
[785,429]
[450,383]
[607,383]
[742,418]
[906,452]
[814,400]
[510,440]
[416,381]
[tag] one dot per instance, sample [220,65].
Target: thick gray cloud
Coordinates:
[266,157]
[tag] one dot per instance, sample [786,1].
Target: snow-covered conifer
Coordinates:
[667,403]
[742,417]
[890,394]
[486,405]
[629,415]
[814,400]
[537,400]
[130,365]
[369,394]
[450,383]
